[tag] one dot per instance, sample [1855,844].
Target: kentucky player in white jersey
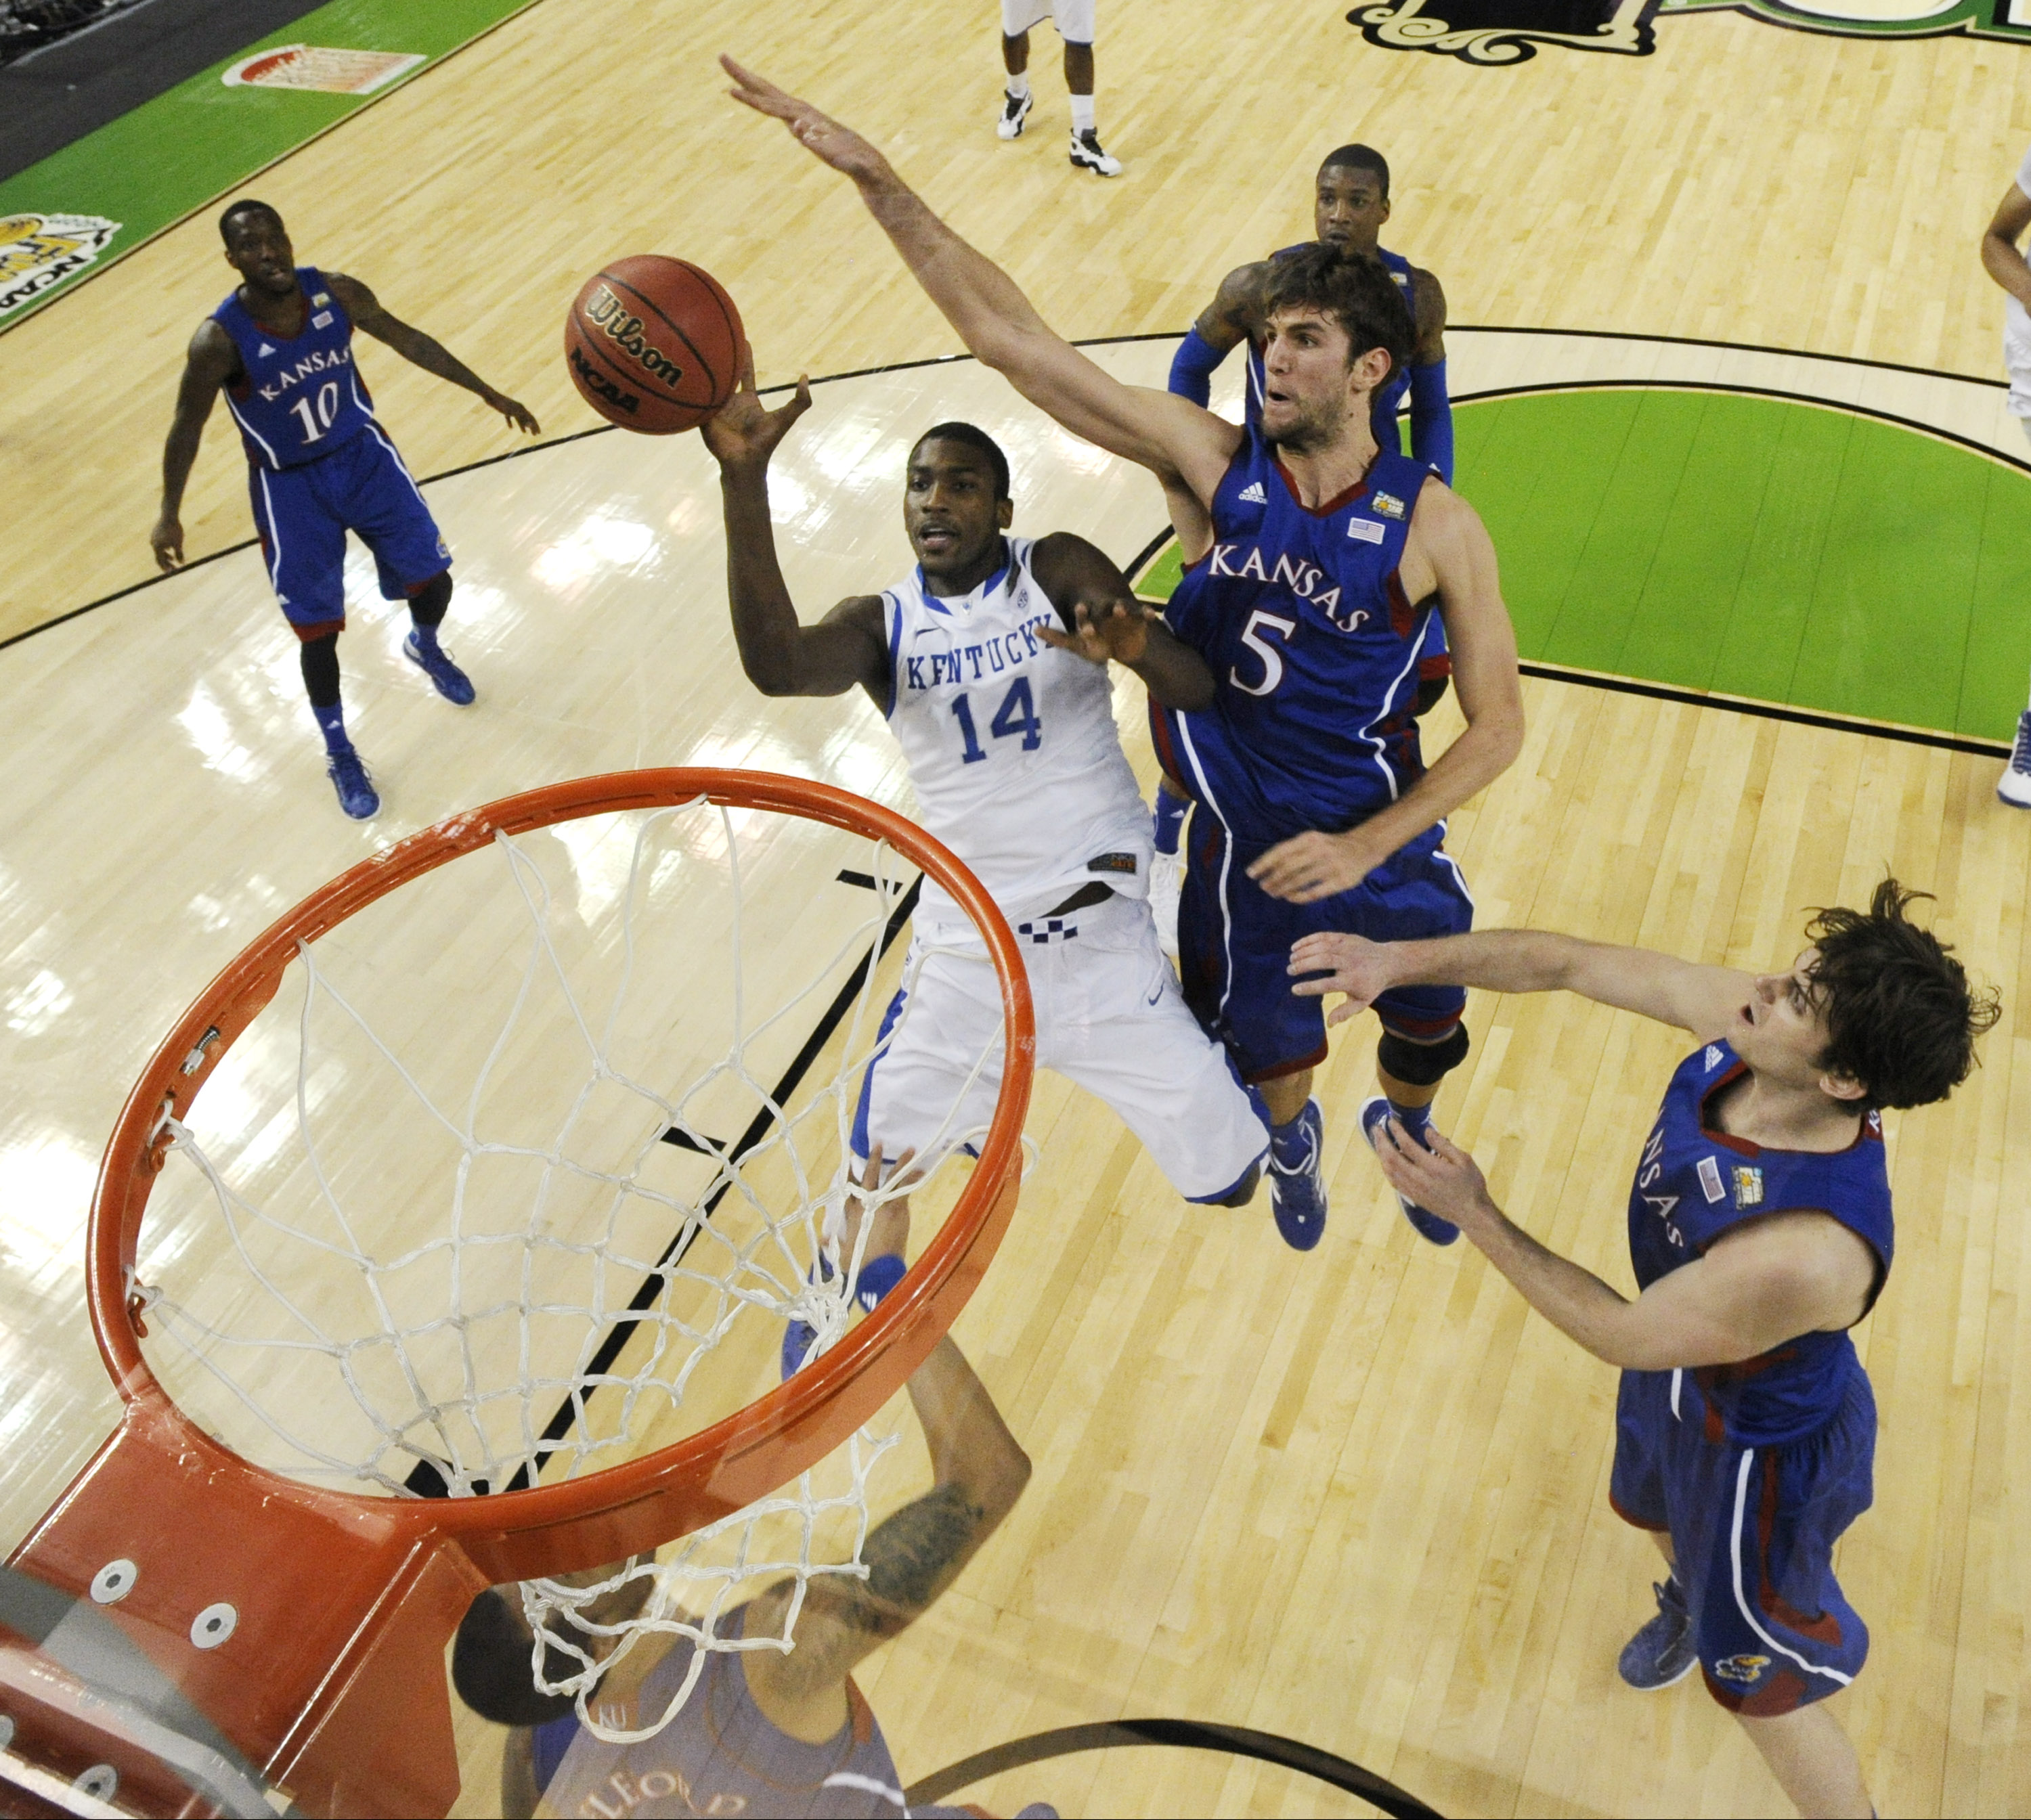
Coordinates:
[989,660]
[2005,263]
[1313,641]
[319,465]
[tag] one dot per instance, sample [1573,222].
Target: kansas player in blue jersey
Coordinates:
[764,1732]
[280,347]
[1760,1232]
[1349,203]
[1317,559]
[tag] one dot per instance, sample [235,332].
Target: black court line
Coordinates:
[424,1479]
[1179,1734]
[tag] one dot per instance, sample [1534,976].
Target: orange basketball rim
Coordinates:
[311,1625]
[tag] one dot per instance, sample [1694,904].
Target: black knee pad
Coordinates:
[1421,1064]
[429,603]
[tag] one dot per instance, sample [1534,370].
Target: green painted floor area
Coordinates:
[152,166]
[1787,553]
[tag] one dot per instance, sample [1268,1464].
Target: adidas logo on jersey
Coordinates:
[1252,494]
[263,351]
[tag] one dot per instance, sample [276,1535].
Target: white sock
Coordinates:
[1018,86]
[1081,113]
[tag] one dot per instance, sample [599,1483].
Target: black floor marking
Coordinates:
[1180,1734]
[700,1146]
[426,1480]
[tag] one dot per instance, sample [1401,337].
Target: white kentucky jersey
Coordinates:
[1011,747]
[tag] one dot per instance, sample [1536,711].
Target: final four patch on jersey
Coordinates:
[320,300]
[1748,1186]
[1386,504]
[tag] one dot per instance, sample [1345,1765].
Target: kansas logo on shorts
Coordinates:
[1741,1670]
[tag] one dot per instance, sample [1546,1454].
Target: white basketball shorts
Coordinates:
[1073,18]
[1110,1018]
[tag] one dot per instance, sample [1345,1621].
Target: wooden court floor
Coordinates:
[1355,1498]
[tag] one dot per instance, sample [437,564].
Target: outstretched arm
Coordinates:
[1103,619]
[1760,1284]
[1451,553]
[912,1556]
[419,349]
[210,364]
[1164,434]
[781,655]
[1707,1001]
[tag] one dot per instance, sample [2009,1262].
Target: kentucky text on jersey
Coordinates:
[990,656]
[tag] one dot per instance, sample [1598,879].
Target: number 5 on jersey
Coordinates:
[1017,714]
[1273,659]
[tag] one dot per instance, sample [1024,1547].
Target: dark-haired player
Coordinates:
[1760,1232]
[1349,203]
[1316,559]
[990,661]
[280,347]
[765,1732]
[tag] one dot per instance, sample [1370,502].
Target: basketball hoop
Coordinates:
[309,1622]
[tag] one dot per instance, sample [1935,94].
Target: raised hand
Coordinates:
[1118,629]
[840,146]
[742,432]
[1349,964]
[1437,1175]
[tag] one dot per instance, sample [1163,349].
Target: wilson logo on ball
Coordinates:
[624,331]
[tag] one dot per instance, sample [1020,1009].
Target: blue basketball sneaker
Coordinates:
[1428,1226]
[435,663]
[877,1277]
[1662,1651]
[356,794]
[1297,1178]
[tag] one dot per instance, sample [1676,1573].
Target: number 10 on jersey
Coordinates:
[1017,714]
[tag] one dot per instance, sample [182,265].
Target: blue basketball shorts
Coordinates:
[1753,1533]
[303,513]
[1234,946]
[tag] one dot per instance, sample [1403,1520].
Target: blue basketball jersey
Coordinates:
[1386,399]
[1314,648]
[1695,1183]
[298,399]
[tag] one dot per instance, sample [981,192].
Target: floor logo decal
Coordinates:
[313,66]
[1502,32]
[37,251]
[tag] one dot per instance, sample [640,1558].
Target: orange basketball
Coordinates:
[654,343]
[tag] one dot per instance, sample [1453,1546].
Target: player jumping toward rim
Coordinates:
[317,465]
[990,661]
[1317,560]
[1760,1232]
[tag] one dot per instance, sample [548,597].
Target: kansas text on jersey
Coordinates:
[1695,1183]
[296,398]
[1314,647]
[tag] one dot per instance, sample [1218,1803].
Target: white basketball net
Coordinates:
[387,1273]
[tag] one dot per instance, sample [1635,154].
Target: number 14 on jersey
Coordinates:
[1017,714]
